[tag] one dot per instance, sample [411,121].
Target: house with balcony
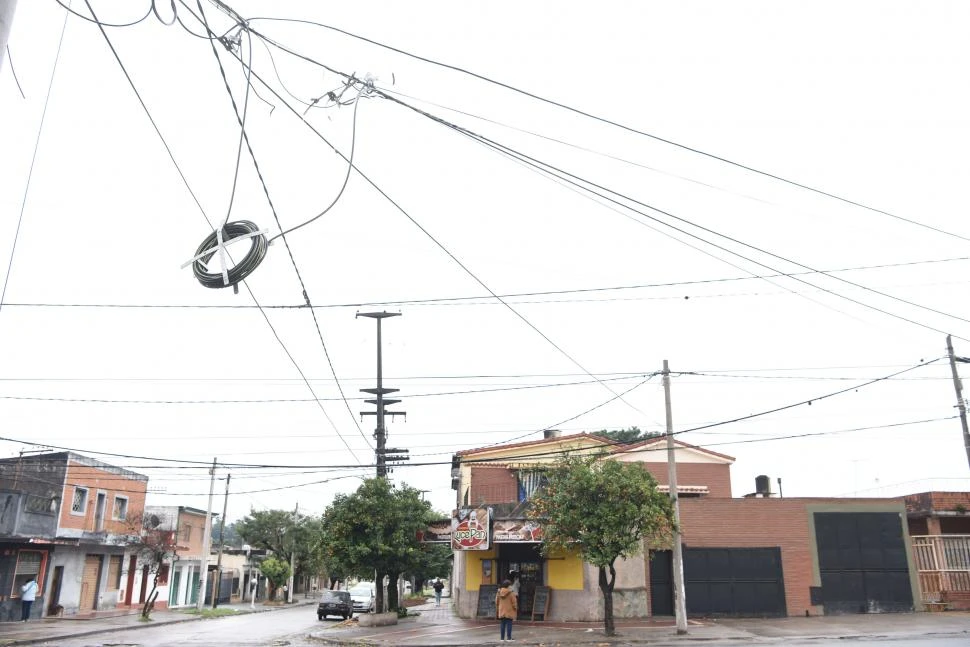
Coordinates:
[758,555]
[939,523]
[66,520]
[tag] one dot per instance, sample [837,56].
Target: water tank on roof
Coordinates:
[762,485]
[551,433]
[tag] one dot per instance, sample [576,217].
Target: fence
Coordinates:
[943,563]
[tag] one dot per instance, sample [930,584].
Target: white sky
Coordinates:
[866,100]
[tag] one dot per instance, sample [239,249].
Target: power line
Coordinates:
[610,122]
[585,185]
[33,161]
[106,24]
[511,295]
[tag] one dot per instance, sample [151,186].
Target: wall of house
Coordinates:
[107,596]
[493,484]
[717,477]
[785,523]
[101,479]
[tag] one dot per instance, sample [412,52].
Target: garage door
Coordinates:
[722,582]
[862,562]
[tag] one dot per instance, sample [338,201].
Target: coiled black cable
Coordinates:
[242,269]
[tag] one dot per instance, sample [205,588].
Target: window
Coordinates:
[529,481]
[39,504]
[186,532]
[79,504]
[28,568]
[120,509]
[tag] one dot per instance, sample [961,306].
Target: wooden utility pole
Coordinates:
[222,531]
[296,519]
[958,387]
[680,593]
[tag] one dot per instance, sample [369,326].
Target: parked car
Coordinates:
[335,603]
[362,595]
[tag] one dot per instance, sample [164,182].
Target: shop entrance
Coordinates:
[526,560]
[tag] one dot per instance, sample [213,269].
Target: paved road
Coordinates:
[283,627]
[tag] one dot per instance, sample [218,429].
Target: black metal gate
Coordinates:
[722,582]
[862,562]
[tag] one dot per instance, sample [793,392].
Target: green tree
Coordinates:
[627,436]
[276,571]
[604,509]
[433,560]
[286,534]
[374,531]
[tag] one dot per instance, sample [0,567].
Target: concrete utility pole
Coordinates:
[380,434]
[289,589]
[958,387]
[7,8]
[206,541]
[680,593]
[222,531]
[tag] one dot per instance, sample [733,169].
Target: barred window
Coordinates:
[79,504]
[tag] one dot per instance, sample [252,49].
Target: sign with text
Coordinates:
[437,532]
[471,530]
[510,531]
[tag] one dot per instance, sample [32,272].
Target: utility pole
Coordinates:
[289,589]
[222,541]
[7,8]
[206,541]
[680,594]
[380,434]
[958,387]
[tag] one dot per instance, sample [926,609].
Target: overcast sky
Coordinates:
[107,345]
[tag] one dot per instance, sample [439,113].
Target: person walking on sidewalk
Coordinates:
[438,587]
[507,608]
[28,592]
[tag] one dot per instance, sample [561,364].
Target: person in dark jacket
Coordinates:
[438,587]
[507,608]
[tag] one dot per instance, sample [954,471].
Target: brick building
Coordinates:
[66,520]
[760,556]
[939,523]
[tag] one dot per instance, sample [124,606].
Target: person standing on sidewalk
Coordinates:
[28,592]
[507,608]
[438,587]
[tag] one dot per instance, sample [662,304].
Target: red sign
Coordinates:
[471,530]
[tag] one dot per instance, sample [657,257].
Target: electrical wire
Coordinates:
[206,217]
[511,295]
[428,234]
[610,122]
[14,73]
[105,24]
[582,183]
[33,161]
[175,13]
[210,246]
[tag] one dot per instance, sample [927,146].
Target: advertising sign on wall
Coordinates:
[471,530]
[510,531]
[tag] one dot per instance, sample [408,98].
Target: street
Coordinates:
[280,627]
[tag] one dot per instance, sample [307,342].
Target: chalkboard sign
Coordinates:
[486,601]
[540,603]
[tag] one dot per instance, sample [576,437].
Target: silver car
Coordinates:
[362,595]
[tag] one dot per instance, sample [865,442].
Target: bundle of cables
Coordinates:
[242,269]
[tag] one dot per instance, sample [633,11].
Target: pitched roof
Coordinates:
[542,441]
[647,445]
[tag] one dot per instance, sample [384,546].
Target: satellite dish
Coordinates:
[153,521]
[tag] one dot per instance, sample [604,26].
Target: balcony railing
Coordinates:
[943,564]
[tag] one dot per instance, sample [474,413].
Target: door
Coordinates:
[173,589]
[661,583]
[721,582]
[862,562]
[55,592]
[90,582]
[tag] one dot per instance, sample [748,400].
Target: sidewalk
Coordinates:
[439,627]
[50,629]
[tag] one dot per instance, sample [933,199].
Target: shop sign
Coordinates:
[471,530]
[437,532]
[510,531]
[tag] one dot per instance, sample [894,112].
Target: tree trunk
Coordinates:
[607,588]
[379,592]
[418,584]
[146,609]
[392,601]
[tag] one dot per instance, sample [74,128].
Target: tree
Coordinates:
[276,571]
[286,534]
[433,560]
[604,509]
[153,543]
[627,436]
[374,532]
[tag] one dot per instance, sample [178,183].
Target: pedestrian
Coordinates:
[27,594]
[507,608]
[438,587]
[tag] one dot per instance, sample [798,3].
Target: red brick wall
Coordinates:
[937,501]
[493,484]
[96,479]
[716,477]
[760,523]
